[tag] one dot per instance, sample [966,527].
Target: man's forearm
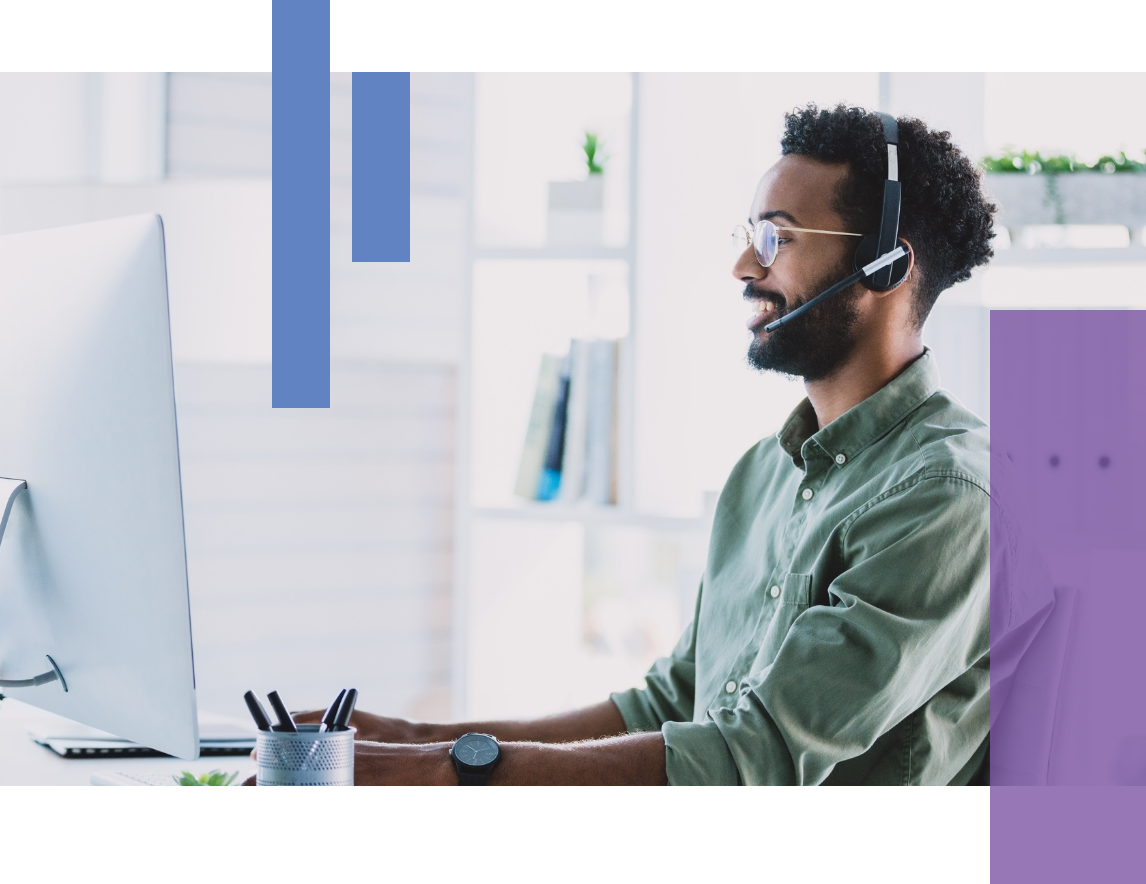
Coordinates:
[590,723]
[631,760]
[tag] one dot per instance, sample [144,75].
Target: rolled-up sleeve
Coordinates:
[670,686]
[908,616]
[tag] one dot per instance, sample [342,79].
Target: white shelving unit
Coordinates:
[532,578]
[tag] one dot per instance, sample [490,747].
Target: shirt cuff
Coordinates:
[636,710]
[697,755]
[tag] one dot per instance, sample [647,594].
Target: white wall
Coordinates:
[218,238]
[83,127]
[219,125]
[320,542]
[1088,114]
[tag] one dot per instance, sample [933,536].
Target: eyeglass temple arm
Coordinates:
[812,230]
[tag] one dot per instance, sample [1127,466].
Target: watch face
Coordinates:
[475,750]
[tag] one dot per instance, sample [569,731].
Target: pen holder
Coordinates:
[306,758]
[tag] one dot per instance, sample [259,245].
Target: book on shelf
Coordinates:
[601,425]
[540,423]
[570,450]
[550,482]
[573,463]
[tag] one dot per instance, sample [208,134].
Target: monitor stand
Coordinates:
[9,488]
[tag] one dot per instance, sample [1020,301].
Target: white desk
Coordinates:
[24,763]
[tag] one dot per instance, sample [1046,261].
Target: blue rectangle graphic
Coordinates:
[381,184]
[300,324]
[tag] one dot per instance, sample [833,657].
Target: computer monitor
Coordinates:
[95,621]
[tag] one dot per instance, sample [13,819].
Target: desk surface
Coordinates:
[24,763]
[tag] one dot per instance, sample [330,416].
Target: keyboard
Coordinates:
[70,747]
[77,741]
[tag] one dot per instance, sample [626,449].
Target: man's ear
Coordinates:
[906,277]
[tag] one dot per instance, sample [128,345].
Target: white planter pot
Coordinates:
[576,212]
[1074,198]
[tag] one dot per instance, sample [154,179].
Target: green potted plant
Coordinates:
[1036,189]
[214,778]
[594,157]
[576,208]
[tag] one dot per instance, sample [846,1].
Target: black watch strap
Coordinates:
[472,779]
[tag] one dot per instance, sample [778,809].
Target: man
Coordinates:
[841,629]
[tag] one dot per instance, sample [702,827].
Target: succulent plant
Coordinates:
[594,156]
[214,778]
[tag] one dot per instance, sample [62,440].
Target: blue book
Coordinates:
[536,445]
[550,482]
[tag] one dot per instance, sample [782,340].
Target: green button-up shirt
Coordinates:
[841,632]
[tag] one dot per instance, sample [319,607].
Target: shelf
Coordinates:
[589,515]
[1019,257]
[554,253]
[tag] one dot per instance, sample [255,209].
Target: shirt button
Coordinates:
[807,493]
[775,592]
[730,687]
[841,459]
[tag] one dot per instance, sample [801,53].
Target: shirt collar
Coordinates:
[857,428]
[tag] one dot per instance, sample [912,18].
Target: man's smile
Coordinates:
[765,308]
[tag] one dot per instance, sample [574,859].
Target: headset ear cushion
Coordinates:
[865,254]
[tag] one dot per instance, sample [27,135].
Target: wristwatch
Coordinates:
[475,756]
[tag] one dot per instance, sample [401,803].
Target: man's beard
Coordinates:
[814,345]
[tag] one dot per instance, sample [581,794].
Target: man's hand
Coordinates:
[375,728]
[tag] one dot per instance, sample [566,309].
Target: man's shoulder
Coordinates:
[940,438]
[950,441]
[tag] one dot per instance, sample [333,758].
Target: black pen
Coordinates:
[332,712]
[258,713]
[286,723]
[342,722]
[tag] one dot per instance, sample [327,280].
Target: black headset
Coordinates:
[881,259]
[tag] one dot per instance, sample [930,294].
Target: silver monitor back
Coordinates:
[93,564]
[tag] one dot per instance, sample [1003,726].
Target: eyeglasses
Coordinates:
[764,237]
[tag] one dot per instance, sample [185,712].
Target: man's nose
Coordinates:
[747,268]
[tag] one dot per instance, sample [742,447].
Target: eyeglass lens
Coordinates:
[766,242]
[764,238]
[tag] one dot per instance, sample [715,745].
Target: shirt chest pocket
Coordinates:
[795,589]
[786,598]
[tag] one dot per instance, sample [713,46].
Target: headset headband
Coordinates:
[892,196]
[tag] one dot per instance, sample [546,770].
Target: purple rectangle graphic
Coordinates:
[1066,834]
[1068,594]
[1068,584]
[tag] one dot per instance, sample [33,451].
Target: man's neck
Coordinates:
[866,371]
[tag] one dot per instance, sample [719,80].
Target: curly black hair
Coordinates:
[945,215]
